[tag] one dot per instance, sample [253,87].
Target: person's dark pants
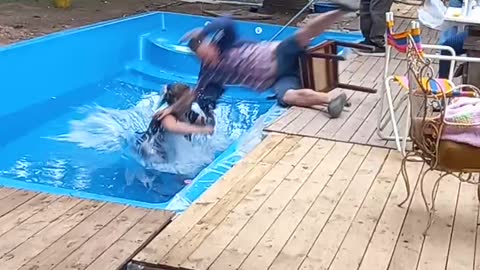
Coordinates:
[372,20]
[456,42]
[207,100]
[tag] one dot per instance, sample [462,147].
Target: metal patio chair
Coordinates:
[389,114]
[428,127]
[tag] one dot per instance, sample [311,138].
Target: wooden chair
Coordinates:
[427,131]
[319,67]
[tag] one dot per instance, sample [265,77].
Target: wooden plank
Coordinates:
[477,244]
[316,124]
[363,226]
[384,239]
[243,243]
[301,121]
[409,245]
[4,192]
[25,211]
[69,242]
[201,229]
[285,119]
[253,198]
[269,246]
[101,241]
[351,126]
[27,250]
[14,199]
[353,66]
[35,223]
[169,237]
[376,71]
[135,239]
[436,244]
[332,127]
[367,130]
[462,248]
[326,245]
[368,63]
[311,225]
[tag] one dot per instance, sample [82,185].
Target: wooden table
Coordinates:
[472,44]
[473,17]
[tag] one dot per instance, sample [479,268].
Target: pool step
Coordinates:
[157,74]
[169,55]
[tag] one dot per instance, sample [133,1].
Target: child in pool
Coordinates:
[178,119]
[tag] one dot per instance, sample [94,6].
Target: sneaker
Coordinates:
[335,107]
[366,42]
[347,5]
[459,70]
[377,51]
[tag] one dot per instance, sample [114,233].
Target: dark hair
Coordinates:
[174,92]
[178,99]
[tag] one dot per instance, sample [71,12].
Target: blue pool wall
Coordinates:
[49,66]
[40,71]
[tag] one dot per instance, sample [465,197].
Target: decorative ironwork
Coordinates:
[427,112]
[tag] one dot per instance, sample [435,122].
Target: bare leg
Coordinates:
[317,26]
[309,98]
[305,98]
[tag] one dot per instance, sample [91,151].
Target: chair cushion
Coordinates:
[458,156]
[452,156]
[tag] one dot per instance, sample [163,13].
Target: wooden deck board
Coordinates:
[42,231]
[280,163]
[320,204]
[240,247]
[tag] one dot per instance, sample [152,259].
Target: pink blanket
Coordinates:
[462,119]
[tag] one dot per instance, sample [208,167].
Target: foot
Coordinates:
[459,70]
[335,107]
[376,50]
[347,5]
[366,42]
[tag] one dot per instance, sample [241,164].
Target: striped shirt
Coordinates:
[253,65]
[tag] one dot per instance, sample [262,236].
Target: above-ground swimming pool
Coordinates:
[71,101]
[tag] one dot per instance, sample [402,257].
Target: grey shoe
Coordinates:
[335,107]
[347,5]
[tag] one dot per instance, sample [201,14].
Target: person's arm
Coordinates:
[171,124]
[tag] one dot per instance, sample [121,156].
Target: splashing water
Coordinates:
[114,130]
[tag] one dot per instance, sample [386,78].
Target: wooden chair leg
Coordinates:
[478,188]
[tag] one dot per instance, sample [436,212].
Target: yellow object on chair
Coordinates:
[62,3]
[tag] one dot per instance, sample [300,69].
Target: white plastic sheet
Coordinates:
[432,14]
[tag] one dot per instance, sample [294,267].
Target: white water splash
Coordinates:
[112,130]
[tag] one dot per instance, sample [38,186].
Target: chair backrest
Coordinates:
[319,72]
[319,67]
[427,110]
[398,41]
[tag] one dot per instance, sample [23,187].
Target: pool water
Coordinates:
[79,141]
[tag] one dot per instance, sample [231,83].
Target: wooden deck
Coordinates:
[42,231]
[358,123]
[307,203]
